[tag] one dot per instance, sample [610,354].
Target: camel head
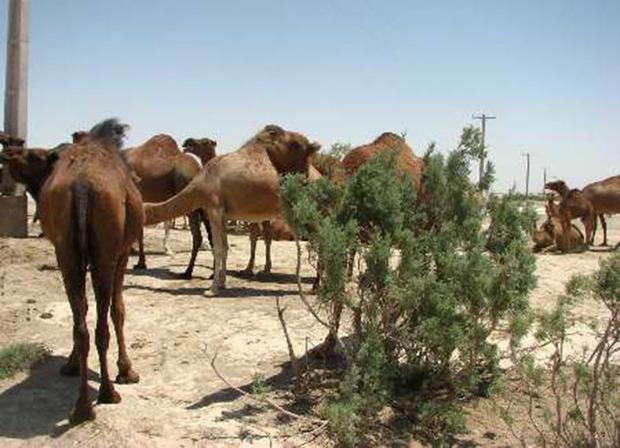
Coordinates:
[204,148]
[29,166]
[8,141]
[559,186]
[289,152]
[79,137]
[545,236]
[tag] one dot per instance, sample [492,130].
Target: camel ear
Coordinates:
[313,148]
[274,130]
[189,142]
[212,142]
[51,158]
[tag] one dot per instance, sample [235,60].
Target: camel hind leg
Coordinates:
[141,264]
[254,232]
[125,372]
[267,236]
[194,223]
[220,248]
[604,226]
[102,273]
[73,268]
[167,226]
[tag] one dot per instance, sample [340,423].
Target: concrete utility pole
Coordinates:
[484,119]
[544,180]
[13,221]
[527,176]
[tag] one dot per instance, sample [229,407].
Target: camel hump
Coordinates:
[110,132]
[389,138]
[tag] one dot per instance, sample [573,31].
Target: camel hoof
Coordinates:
[139,266]
[129,377]
[217,289]
[82,414]
[109,396]
[246,273]
[70,370]
[187,275]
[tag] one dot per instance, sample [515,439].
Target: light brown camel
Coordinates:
[91,211]
[162,171]
[550,235]
[573,205]
[605,198]
[276,229]
[242,185]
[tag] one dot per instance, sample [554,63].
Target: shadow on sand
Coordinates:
[37,405]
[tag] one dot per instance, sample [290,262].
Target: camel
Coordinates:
[162,170]
[8,141]
[407,163]
[550,235]
[30,167]
[605,198]
[242,185]
[91,211]
[573,205]
[275,229]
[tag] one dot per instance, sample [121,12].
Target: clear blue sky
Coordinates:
[338,71]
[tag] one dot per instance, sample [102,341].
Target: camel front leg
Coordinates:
[167,227]
[254,231]
[220,249]
[141,264]
[194,222]
[604,226]
[267,236]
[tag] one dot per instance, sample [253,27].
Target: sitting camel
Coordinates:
[550,235]
[573,205]
[91,211]
[242,185]
[163,171]
[605,198]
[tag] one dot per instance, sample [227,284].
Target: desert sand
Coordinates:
[173,327]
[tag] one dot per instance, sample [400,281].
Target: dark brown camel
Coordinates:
[91,211]
[8,141]
[162,171]
[550,235]
[242,185]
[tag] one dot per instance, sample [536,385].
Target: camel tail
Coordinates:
[185,202]
[80,208]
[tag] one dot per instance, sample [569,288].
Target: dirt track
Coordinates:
[171,326]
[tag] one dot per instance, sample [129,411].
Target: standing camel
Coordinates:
[275,229]
[91,211]
[162,171]
[573,205]
[242,185]
[605,198]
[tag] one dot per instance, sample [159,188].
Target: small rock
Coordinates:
[46,315]
[31,301]
[490,435]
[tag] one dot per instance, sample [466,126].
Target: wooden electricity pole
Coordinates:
[13,219]
[484,119]
[527,176]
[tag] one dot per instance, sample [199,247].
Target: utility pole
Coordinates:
[527,176]
[544,180]
[13,219]
[484,119]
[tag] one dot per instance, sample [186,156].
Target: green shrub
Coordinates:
[18,357]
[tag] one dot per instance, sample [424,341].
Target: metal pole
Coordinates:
[484,119]
[16,92]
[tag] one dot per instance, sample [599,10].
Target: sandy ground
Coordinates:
[172,325]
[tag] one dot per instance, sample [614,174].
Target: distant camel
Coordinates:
[242,185]
[573,205]
[161,171]
[8,141]
[550,235]
[275,229]
[605,198]
[91,211]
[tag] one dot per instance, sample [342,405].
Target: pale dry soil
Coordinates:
[173,326]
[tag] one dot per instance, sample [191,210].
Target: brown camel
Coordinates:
[162,171]
[407,163]
[91,211]
[550,235]
[276,229]
[573,205]
[8,141]
[605,198]
[30,167]
[242,185]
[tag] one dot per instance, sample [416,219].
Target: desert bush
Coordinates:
[428,296]
[578,395]
[18,357]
